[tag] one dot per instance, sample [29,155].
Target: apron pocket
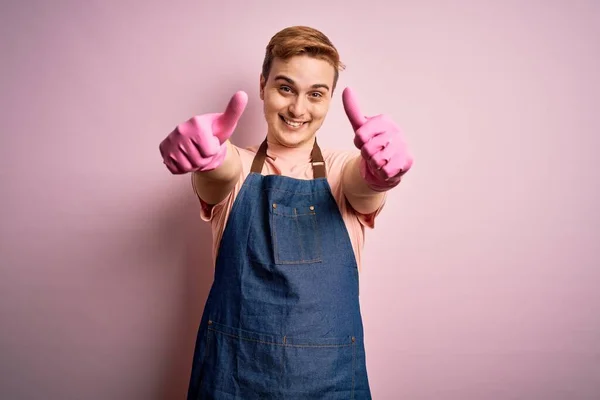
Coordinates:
[295,234]
[320,369]
[242,363]
[256,365]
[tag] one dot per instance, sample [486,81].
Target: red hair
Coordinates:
[299,40]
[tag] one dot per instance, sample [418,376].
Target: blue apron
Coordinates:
[282,319]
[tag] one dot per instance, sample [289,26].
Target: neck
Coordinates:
[298,153]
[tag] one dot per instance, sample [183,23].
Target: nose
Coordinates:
[297,107]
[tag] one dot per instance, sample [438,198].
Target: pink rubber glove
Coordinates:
[385,156]
[199,143]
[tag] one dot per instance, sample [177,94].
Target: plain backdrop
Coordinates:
[481,277]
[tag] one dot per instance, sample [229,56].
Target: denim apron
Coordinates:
[282,319]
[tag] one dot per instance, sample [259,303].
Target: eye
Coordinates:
[316,95]
[285,88]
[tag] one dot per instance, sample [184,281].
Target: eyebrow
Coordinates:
[291,82]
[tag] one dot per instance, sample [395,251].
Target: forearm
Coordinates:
[214,185]
[360,196]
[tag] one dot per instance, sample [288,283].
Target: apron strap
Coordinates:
[259,158]
[318,162]
[316,156]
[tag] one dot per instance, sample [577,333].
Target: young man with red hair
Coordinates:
[282,320]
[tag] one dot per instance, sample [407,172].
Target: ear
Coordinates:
[263,82]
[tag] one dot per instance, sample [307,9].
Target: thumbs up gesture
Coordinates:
[385,156]
[199,143]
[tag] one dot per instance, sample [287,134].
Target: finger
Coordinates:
[373,146]
[207,146]
[172,168]
[382,159]
[198,130]
[224,125]
[398,166]
[367,132]
[173,164]
[169,158]
[357,119]
[181,163]
[189,151]
[392,164]
[374,126]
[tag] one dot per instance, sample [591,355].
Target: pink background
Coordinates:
[481,279]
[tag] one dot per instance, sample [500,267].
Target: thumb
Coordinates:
[357,119]
[224,125]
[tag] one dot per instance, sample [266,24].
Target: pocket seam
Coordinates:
[282,211]
[284,342]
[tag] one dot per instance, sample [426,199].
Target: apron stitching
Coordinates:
[274,238]
[302,255]
[285,344]
[353,366]
[316,232]
[296,192]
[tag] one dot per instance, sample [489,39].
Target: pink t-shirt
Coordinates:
[294,163]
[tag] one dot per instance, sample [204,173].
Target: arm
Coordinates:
[383,158]
[361,197]
[215,185]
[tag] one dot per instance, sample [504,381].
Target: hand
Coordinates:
[199,143]
[385,156]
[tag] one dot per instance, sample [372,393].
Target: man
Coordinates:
[282,320]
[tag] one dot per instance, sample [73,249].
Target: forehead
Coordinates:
[304,70]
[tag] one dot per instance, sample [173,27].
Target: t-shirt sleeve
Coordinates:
[368,220]
[209,211]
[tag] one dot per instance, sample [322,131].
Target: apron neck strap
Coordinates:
[318,163]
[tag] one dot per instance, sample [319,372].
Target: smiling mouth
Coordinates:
[293,124]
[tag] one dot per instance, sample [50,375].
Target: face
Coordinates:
[296,99]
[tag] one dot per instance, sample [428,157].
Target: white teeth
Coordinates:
[293,124]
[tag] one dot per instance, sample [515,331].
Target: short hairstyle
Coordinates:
[299,40]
